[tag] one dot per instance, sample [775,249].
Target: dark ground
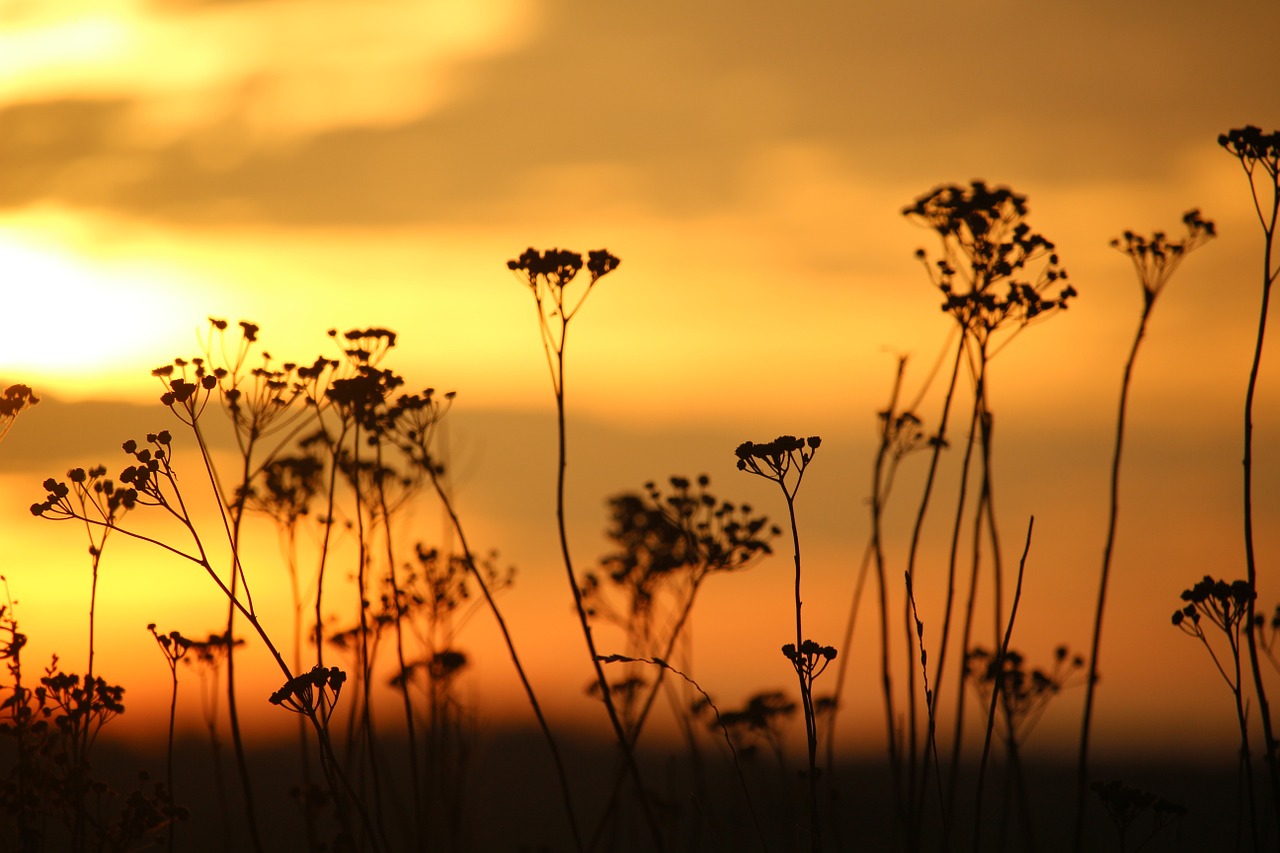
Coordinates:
[510,801]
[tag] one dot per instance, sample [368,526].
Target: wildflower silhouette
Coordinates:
[415,419]
[53,728]
[207,658]
[262,403]
[548,275]
[705,703]
[784,461]
[1020,697]
[15,400]
[1124,804]
[760,719]
[1259,156]
[1227,607]
[900,434]
[1155,259]
[153,482]
[997,277]
[1267,630]
[671,542]
[174,647]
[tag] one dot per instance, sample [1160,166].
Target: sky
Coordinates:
[339,164]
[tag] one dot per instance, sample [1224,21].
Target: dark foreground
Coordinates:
[509,800]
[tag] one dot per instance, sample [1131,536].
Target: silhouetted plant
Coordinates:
[900,434]
[1267,630]
[671,543]
[548,276]
[417,417]
[1227,607]
[207,657]
[996,277]
[15,400]
[759,720]
[174,647]
[998,694]
[52,800]
[284,490]
[784,461]
[1023,695]
[1125,804]
[1259,156]
[1154,260]
[153,482]
[703,704]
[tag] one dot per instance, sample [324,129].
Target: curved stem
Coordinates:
[1082,762]
[561,774]
[616,721]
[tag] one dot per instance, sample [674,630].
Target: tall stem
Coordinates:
[1082,762]
[1264,710]
[618,728]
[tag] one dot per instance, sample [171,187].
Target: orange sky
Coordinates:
[308,165]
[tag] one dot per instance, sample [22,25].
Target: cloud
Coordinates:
[341,113]
[285,69]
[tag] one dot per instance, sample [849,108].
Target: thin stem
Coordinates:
[1082,764]
[561,774]
[583,621]
[998,689]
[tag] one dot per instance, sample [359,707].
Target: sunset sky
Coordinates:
[333,163]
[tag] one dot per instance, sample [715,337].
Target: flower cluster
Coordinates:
[1023,694]
[77,706]
[810,659]
[172,645]
[312,693]
[1225,604]
[559,266]
[413,419]
[673,539]
[1253,147]
[721,536]
[361,397]
[366,347]
[1125,804]
[184,382]
[778,457]
[759,721]
[986,248]
[1156,257]
[15,400]
[548,273]
[287,486]
[107,500]
[902,433]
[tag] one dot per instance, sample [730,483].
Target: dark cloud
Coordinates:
[61,150]
[681,98]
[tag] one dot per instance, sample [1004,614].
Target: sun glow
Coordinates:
[77,325]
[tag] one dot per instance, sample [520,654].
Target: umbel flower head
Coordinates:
[314,692]
[1225,604]
[1156,257]
[15,400]
[548,273]
[775,459]
[983,270]
[557,267]
[1253,147]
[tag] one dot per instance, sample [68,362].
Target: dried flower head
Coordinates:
[15,400]
[987,249]
[1156,257]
